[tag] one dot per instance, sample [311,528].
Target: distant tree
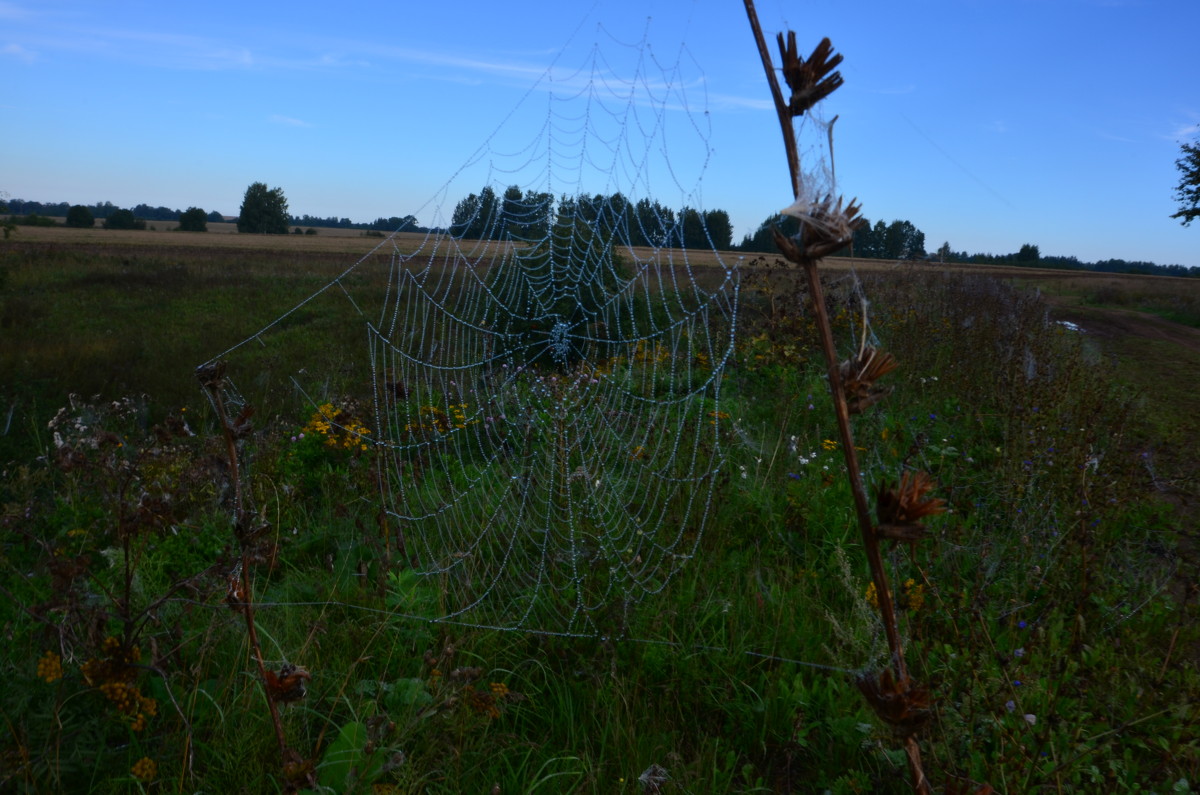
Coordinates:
[720,229]
[214,217]
[7,224]
[692,232]
[103,209]
[1029,254]
[193,220]
[763,239]
[475,216]
[513,211]
[945,253]
[80,217]
[124,219]
[902,240]
[655,223]
[1187,193]
[264,211]
[156,213]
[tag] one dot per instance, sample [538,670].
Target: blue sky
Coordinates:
[987,123]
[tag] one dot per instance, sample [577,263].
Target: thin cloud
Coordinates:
[12,11]
[18,52]
[288,121]
[1185,131]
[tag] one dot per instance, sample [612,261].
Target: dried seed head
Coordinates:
[811,80]
[288,684]
[825,226]
[902,704]
[859,375]
[905,505]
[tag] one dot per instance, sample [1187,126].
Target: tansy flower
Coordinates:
[145,770]
[49,668]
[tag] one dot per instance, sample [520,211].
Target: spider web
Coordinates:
[544,368]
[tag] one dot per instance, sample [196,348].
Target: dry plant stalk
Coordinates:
[826,226]
[288,683]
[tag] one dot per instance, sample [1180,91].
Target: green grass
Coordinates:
[1047,612]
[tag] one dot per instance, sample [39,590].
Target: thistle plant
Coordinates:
[827,224]
[287,684]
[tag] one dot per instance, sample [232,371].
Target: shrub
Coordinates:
[80,217]
[124,219]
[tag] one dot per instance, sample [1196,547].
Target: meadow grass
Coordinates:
[1049,612]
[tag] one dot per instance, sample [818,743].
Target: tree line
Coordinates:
[531,215]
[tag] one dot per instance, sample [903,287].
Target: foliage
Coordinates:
[124,219]
[7,224]
[193,220]
[80,217]
[1187,192]
[37,220]
[1049,611]
[264,211]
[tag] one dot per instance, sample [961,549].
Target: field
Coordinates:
[1051,611]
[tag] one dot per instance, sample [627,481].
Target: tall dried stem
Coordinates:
[824,228]
[240,594]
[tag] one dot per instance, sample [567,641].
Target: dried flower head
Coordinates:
[811,80]
[288,684]
[902,704]
[860,374]
[825,226]
[900,509]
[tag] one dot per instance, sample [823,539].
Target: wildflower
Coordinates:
[914,594]
[145,769]
[1019,653]
[1011,706]
[49,668]
[872,595]
[829,444]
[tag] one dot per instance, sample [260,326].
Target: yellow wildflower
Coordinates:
[49,668]
[145,769]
